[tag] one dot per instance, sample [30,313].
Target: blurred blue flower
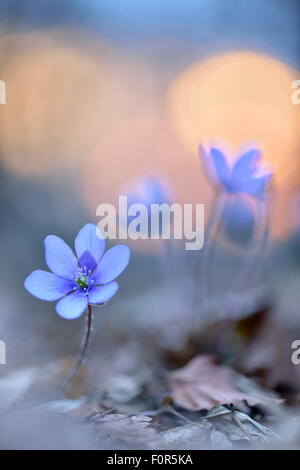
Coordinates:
[147,191]
[77,282]
[242,177]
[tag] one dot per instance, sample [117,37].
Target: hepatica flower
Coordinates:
[78,281]
[147,191]
[244,176]
[150,190]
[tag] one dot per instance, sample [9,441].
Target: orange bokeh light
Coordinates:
[62,96]
[51,89]
[242,98]
[238,98]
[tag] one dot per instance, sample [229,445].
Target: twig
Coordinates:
[238,422]
[169,409]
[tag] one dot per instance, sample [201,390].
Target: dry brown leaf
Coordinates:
[202,384]
[127,429]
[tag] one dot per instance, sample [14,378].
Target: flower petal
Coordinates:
[47,286]
[87,262]
[59,257]
[90,239]
[255,186]
[112,264]
[72,306]
[208,164]
[221,166]
[101,294]
[246,165]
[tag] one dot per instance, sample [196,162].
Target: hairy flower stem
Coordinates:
[252,265]
[82,353]
[213,228]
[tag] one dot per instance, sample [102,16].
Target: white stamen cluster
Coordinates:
[82,278]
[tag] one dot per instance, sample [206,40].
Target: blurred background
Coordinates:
[106,95]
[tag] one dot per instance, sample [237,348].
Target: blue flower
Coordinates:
[242,177]
[147,191]
[76,282]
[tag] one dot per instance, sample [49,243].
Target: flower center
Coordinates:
[82,281]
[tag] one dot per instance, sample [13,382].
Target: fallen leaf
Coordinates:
[128,430]
[142,421]
[221,428]
[122,388]
[202,384]
[219,440]
[189,436]
[238,426]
